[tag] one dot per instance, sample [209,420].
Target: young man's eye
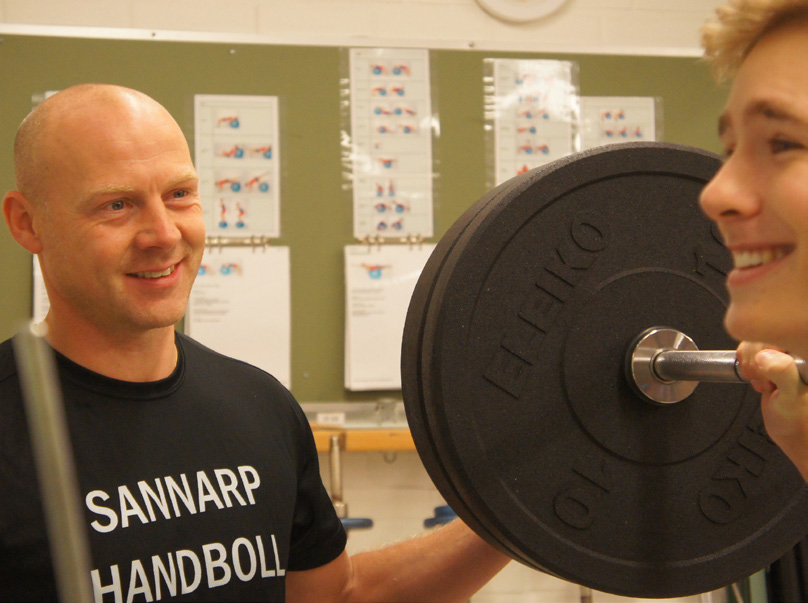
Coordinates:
[778,145]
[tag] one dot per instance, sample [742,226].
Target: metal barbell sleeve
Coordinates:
[665,366]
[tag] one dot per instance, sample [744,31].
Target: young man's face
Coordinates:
[122,232]
[759,198]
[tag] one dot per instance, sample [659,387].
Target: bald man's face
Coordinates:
[123,233]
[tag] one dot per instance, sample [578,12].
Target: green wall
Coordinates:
[306,80]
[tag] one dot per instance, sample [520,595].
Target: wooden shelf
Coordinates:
[363,440]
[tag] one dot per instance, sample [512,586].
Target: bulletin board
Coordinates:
[316,217]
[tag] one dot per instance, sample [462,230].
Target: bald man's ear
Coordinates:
[19,214]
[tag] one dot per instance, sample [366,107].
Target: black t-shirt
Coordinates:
[204,486]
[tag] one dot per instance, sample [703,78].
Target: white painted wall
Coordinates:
[600,26]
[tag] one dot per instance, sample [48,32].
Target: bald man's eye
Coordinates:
[117,205]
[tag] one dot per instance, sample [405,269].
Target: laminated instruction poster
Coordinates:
[535,113]
[379,282]
[391,142]
[613,119]
[238,158]
[240,306]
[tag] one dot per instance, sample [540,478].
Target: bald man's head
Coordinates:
[55,123]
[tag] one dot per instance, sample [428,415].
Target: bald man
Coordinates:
[198,472]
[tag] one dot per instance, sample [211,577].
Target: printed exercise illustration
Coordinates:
[532,112]
[612,119]
[237,156]
[391,142]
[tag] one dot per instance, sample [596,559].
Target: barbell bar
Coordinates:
[53,458]
[665,366]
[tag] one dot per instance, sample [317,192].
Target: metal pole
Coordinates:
[336,476]
[56,471]
[705,365]
[664,366]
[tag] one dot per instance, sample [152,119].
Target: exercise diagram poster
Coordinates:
[238,158]
[379,281]
[240,306]
[613,119]
[391,142]
[535,112]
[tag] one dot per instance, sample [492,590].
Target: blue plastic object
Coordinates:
[443,514]
[356,523]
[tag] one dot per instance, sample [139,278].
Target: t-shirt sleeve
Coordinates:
[317,533]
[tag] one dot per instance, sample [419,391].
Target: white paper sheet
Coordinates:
[535,114]
[240,306]
[612,119]
[238,158]
[379,282]
[41,303]
[391,134]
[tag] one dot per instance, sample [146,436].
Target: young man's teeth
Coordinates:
[748,259]
[165,272]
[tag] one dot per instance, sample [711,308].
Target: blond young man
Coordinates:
[759,200]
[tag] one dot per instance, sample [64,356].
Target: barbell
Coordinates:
[537,335]
[665,366]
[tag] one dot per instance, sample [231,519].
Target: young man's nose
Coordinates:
[730,194]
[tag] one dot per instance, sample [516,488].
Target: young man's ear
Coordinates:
[18,211]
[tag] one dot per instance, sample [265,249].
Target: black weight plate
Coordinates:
[520,409]
[420,418]
[417,414]
[412,345]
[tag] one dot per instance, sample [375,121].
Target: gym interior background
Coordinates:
[173,49]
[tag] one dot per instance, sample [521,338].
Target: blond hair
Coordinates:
[739,25]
